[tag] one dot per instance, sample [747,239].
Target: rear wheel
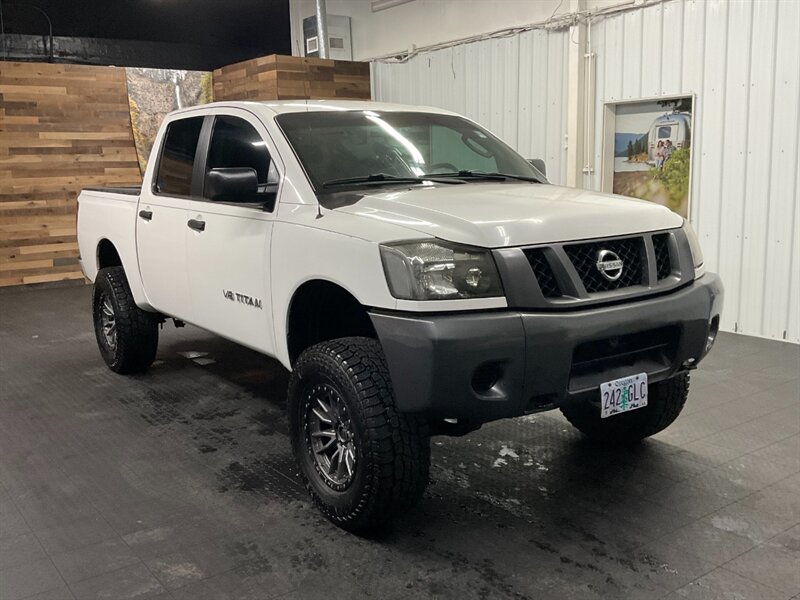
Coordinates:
[363,461]
[665,402]
[126,335]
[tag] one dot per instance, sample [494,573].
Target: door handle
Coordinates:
[196,225]
[146,214]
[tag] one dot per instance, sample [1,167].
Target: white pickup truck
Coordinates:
[414,273]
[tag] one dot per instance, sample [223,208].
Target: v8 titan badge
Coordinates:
[623,395]
[242,298]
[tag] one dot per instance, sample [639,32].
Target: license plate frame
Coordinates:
[623,395]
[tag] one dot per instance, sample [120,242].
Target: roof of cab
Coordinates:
[287,106]
[284,106]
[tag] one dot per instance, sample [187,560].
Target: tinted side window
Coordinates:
[174,175]
[236,144]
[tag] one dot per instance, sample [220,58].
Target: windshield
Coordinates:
[342,145]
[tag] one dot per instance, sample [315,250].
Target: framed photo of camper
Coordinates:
[648,150]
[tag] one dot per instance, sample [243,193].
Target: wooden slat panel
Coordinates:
[283,77]
[62,127]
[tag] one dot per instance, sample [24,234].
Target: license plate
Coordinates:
[622,395]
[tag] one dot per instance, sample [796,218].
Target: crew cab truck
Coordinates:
[414,273]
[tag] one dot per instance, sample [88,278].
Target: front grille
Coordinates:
[568,276]
[543,272]
[644,352]
[661,248]
[584,259]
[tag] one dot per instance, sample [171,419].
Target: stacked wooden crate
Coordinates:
[292,77]
[62,128]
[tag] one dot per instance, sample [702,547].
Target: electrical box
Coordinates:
[339,44]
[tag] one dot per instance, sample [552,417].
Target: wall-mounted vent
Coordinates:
[339,44]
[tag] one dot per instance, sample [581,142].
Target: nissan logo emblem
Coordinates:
[609,264]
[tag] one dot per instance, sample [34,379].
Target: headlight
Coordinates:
[437,270]
[694,246]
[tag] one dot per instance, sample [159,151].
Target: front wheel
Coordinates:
[363,461]
[126,335]
[664,404]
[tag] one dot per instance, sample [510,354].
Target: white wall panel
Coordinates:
[515,86]
[741,60]
[731,211]
[759,150]
[710,126]
[794,275]
[632,54]
[783,198]
[652,42]
[541,117]
[557,143]
[672,37]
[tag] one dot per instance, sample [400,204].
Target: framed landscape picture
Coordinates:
[152,93]
[651,149]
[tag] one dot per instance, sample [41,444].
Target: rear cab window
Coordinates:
[174,174]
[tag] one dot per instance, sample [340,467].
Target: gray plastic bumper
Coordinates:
[541,360]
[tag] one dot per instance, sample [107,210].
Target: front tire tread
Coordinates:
[137,330]
[396,447]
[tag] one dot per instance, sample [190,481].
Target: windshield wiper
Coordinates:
[487,176]
[382,178]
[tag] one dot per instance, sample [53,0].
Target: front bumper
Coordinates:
[478,367]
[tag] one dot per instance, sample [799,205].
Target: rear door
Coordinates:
[161,229]
[228,245]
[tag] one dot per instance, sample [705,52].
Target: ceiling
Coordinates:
[262,25]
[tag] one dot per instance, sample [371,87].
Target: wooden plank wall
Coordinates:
[66,127]
[292,77]
[62,128]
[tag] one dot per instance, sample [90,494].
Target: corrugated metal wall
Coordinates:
[515,86]
[741,59]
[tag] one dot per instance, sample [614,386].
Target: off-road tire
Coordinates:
[665,402]
[392,449]
[136,329]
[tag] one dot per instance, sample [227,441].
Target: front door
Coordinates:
[161,221]
[228,243]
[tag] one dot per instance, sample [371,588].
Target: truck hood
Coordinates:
[494,215]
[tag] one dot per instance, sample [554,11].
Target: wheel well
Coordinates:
[321,311]
[107,255]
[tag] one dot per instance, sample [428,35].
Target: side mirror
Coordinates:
[539,165]
[232,184]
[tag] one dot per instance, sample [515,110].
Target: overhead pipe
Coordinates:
[322,29]
[590,58]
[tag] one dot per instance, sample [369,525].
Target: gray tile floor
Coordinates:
[179,484]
